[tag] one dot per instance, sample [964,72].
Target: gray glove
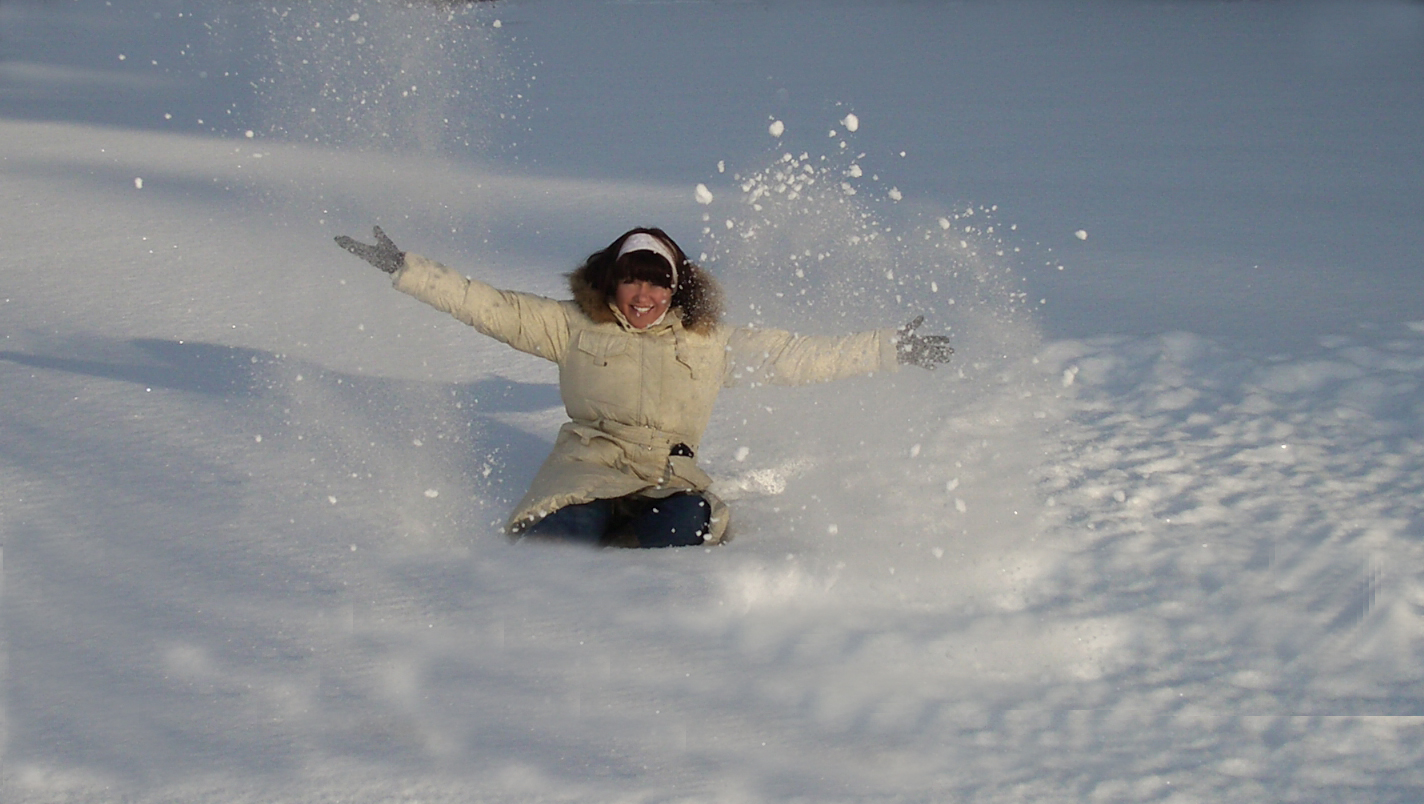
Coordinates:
[925,351]
[383,254]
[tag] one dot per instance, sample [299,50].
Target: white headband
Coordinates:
[642,241]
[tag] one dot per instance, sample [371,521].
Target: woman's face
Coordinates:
[642,302]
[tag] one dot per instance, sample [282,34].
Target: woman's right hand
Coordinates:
[383,254]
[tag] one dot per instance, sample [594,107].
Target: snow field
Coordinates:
[250,497]
[1279,494]
[861,618]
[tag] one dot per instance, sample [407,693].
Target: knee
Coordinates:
[684,521]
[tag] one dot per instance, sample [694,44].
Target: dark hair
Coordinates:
[604,270]
[644,266]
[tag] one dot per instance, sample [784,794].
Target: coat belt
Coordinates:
[649,438]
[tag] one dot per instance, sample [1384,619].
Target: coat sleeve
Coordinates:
[780,357]
[527,322]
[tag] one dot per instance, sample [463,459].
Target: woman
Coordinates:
[642,354]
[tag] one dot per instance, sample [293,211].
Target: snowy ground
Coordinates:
[1154,536]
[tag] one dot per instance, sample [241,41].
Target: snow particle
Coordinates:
[1120,495]
[742,453]
[138,183]
[851,122]
[353,18]
[895,194]
[915,451]
[702,194]
[960,506]
[259,439]
[777,128]
[952,485]
[498,24]
[249,134]
[832,529]
[432,493]
[331,500]
[1081,234]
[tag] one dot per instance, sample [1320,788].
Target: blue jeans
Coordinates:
[680,520]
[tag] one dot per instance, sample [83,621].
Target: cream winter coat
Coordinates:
[632,395]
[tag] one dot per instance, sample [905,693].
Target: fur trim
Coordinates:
[593,303]
[701,293]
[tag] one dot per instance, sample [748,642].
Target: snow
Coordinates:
[1153,534]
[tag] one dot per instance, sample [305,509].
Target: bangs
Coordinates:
[643,266]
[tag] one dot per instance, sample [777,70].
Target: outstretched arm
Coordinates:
[783,358]
[527,322]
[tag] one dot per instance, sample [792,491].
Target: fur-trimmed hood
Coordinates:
[698,301]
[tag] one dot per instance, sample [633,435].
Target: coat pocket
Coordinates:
[598,347]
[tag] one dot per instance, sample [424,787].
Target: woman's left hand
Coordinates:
[925,351]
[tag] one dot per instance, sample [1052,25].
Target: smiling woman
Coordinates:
[642,302]
[642,354]
[647,279]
